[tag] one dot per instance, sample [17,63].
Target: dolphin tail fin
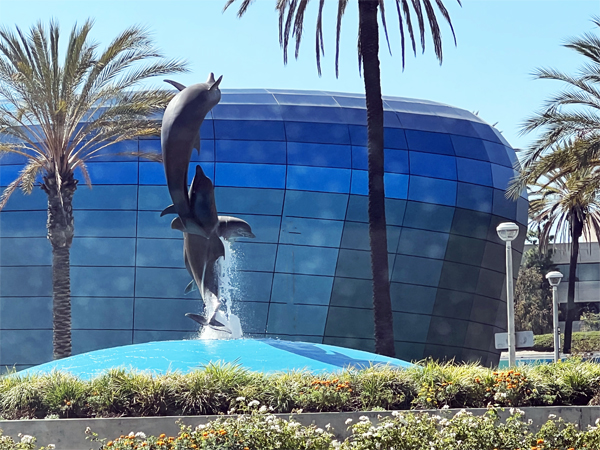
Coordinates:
[168,210]
[215,85]
[179,86]
[190,287]
[197,318]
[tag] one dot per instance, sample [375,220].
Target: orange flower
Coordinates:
[109,444]
[222,432]
[539,441]
[162,436]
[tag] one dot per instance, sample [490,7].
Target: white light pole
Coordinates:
[554,280]
[508,231]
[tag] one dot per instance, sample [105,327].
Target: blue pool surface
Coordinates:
[264,355]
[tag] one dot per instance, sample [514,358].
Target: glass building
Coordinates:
[294,165]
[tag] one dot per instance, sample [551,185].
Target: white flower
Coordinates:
[131,434]
[240,399]
[51,446]
[328,426]
[597,422]
[293,424]
[348,421]
[364,419]
[140,435]
[553,416]
[253,403]
[319,431]
[336,444]
[263,409]
[88,430]
[26,439]
[446,407]
[202,427]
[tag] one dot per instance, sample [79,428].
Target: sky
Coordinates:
[499,44]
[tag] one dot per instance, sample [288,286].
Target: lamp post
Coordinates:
[554,278]
[508,231]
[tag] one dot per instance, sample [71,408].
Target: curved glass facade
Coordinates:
[293,164]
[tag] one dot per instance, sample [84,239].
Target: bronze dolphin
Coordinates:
[179,136]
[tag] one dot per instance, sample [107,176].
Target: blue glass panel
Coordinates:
[431,165]
[497,153]
[360,158]
[24,224]
[522,210]
[394,138]
[502,176]
[160,253]
[255,257]
[117,152]
[95,313]
[428,244]
[236,111]
[142,336]
[105,223]
[253,287]
[459,277]
[415,270]
[411,298]
[8,174]
[411,327]
[301,289]
[255,97]
[297,319]
[207,129]
[356,236]
[460,127]
[102,281]
[151,225]
[30,281]
[320,232]
[247,200]
[485,131]
[423,141]
[360,182]
[37,200]
[13,158]
[90,340]
[320,114]
[358,135]
[504,207]
[315,204]
[161,282]
[253,316]
[158,314]
[207,151]
[422,122]
[25,313]
[511,156]
[103,252]
[324,155]
[431,190]
[355,101]
[472,171]
[468,147]
[355,116]
[250,130]
[474,197]
[152,173]
[349,323]
[318,179]
[357,264]
[352,292]
[306,260]
[426,216]
[322,133]
[150,145]
[408,105]
[304,99]
[500,137]
[111,172]
[25,346]
[153,198]
[106,197]
[396,186]
[250,175]
[270,152]
[26,251]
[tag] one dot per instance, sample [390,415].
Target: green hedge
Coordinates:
[218,388]
[583,342]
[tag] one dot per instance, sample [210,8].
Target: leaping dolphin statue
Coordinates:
[179,136]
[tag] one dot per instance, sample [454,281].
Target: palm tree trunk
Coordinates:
[382,303]
[576,231]
[60,233]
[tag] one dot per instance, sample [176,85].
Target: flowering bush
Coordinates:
[26,442]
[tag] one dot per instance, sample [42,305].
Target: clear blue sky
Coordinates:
[500,42]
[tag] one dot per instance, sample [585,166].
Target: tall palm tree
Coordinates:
[61,114]
[291,23]
[566,205]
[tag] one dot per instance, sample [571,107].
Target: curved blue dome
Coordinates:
[261,355]
[293,164]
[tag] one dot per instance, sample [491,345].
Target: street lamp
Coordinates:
[554,278]
[508,231]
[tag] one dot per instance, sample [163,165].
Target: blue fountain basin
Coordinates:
[262,355]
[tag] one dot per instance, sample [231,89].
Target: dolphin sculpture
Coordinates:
[179,136]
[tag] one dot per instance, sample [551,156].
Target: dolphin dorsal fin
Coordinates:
[168,210]
[216,83]
[179,86]
[177,224]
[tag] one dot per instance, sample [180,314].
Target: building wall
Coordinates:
[293,164]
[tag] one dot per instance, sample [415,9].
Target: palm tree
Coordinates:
[61,114]
[566,206]
[291,22]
